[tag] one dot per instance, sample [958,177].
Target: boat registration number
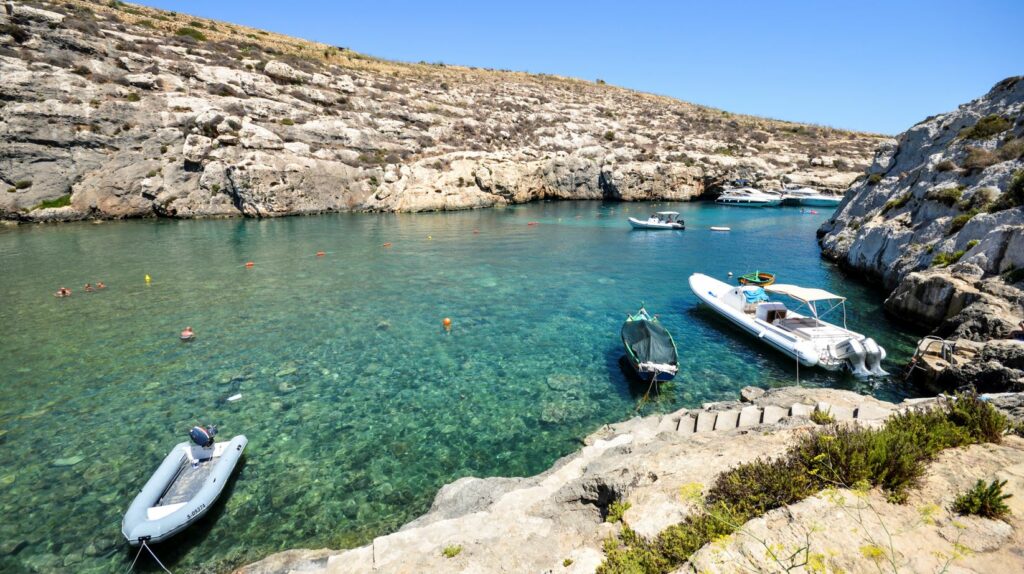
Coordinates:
[197,511]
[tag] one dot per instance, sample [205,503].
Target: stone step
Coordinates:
[800,410]
[869,412]
[705,421]
[687,425]
[837,412]
[749,416]
[727,420]
[773,414]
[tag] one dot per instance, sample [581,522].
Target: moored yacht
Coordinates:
[748,197]
[806,338]
[807,197]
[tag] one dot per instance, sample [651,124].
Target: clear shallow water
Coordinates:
[357,406]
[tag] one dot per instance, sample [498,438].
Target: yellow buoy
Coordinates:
[148,279]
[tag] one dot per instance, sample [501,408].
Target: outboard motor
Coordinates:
[203,436]
[853,352]
[873,356]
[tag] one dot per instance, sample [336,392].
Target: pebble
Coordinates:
[69,461]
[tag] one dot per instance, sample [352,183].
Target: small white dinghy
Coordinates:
[182,490]
[804,337]
[720,228]
[660,220]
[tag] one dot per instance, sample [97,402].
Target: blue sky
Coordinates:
[867,65]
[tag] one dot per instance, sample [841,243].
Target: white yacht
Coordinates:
[660,220]
[748,197]
[807,197]
[805,338]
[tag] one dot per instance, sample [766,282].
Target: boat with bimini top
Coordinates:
[807,338]
[650,349]
[659,220]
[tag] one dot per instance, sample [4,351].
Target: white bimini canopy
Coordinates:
[804,294]
[668,213]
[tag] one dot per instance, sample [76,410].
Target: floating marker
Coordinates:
[320,254]
[148,279]
[388,244]
[447,324]
[249,264]
[234,398]
[532,223]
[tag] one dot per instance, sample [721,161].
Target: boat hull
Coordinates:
[740,203]
[139,526]
[640,224]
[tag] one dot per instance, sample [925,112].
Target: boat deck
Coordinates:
[811,329]
[187,482]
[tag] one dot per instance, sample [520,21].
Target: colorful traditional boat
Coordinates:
[759,278]
[649,347]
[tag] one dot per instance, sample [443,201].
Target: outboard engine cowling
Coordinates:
[853,352]
[873,356]
[203,436]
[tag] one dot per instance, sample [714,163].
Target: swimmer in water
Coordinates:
[187,334]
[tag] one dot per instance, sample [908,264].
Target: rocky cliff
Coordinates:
[939,220]
[113,110]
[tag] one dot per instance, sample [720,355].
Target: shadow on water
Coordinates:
[175,549]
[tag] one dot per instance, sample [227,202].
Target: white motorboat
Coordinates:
[807,197]
[660,220]
[748,197]
[804,337]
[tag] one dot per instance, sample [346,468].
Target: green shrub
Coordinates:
[971,244]
[145,24]
[567,562]
[196,24]
[191,33]
[61,201]
[961,220]
[983,500]
[978,159]
[11,190]
[945,165]
[946,195]
[152,173]
[822,417]
[944,259]
[14,31]
[287,122]
[893,457]
[874,178]
[1014,194]
[981,199]
[609,136]
[23,184]
[986,127]
[896,203]
[133,97]
[1011,150]
[616,510]
[451,551]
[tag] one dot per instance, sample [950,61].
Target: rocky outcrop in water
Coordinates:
[556,521]
[112,110]
[939,220]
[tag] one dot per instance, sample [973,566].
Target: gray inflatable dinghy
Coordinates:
[182,490]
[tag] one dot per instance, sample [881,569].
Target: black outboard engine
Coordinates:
[203,436]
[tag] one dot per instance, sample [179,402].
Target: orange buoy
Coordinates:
[320,253]
[388,244]
[447,324]
[532,223]
[249,264]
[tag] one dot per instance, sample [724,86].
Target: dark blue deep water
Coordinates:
[356,403]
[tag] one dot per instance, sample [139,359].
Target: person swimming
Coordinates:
[100,285]
[88,288]
[188,334]
[63,292]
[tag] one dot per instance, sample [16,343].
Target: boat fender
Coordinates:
[203,436]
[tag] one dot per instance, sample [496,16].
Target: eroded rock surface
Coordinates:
[124,112]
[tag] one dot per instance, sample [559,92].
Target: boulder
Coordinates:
[283,72]
[196,148]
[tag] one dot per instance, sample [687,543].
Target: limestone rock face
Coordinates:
[93,103]
[939,219]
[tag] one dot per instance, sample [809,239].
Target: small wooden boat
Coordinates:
[182,490]
[649,347]
[759,278]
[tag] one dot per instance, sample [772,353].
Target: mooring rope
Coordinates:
[146,547]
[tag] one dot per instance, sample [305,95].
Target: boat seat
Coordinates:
[158,512]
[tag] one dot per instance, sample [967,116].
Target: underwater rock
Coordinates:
[383,326]
[564,382]
[12,547]
[285,387]
[286,371]
[69,461]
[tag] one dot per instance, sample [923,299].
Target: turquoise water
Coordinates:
[356,404]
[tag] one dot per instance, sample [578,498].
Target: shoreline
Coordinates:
[555,521]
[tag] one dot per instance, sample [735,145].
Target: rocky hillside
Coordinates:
[115,110]
[940,220]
